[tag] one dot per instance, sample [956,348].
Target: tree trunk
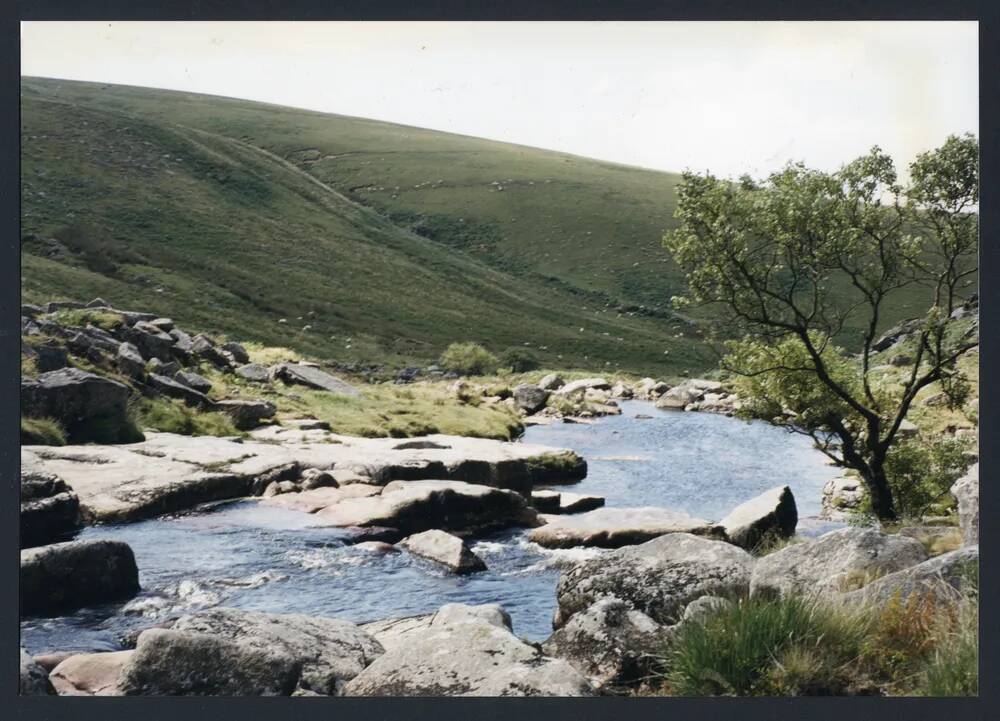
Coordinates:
[880,492]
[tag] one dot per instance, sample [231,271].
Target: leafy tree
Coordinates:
[518,360]
[796,259]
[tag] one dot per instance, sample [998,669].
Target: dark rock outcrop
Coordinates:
[33,679]
[90,407]
[180,663]
[66,576]
[50,510]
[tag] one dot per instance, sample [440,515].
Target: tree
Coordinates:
[806,258]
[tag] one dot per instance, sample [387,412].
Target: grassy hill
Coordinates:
[388,242]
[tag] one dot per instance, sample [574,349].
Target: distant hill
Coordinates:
[388,242]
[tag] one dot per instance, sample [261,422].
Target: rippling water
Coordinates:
[255,556]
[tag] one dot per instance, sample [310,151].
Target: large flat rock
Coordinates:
[460,653]
[411,507]
[660,577]
[65,576]
[169,472]
[616,527]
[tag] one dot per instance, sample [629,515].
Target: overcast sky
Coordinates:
[725,97]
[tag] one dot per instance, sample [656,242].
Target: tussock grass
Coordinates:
[173,416]
[42,432]
[764,647]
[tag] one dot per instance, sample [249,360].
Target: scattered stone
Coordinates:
[330,651]
[171,388]
[578,502]
[446,549]
[246,414]
[33,679]
[313,478]
[130,363]
[908,429]
[545,501]
[678,397]
[650,389]
[151,341]
[179,663]
[164,324]
[841,494]
[50,510]
[836,561]
[583,385]
[193,380]
[160,368]
[84,403]
[611,643]
[48,357]
[966,492]
[772,514]
[89,674]
[204,347]
[551,382]
[620,390]
[238,352]
[254,372]
[701,609]
[312,377]
[308,424]
[65,576]
[530,398]
[616,527]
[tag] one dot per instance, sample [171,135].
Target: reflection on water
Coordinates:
[254,556]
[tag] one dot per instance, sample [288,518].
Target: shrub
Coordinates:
[172,416]
[734,651]
[921,472]
[518,360]
[468,359]
[104,319]
[42,432]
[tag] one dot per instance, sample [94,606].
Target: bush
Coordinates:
[764,647]
[518,360]
[42,432]
[921,472]
[468,359]
[172,416]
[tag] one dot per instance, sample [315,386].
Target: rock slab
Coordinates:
[446,549]
[65,576]
[616,527]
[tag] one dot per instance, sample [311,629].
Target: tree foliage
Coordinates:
[798,257]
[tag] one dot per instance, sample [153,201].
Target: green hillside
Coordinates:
[388,241]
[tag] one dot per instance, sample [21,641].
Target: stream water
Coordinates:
[255,556]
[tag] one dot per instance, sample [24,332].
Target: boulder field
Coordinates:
[617,614]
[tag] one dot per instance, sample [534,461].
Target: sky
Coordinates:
[726,97]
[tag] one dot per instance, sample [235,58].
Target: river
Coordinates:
[254,556]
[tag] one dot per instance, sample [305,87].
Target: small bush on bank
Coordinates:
[921,472]
[518,360]
[42,432]
[468,359]
[171,416]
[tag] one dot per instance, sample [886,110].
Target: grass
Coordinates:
[763,647]
[202,209]
[172,416]
[923,645]
[42,432]
[106,320]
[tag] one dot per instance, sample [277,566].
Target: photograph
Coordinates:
[468,358]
